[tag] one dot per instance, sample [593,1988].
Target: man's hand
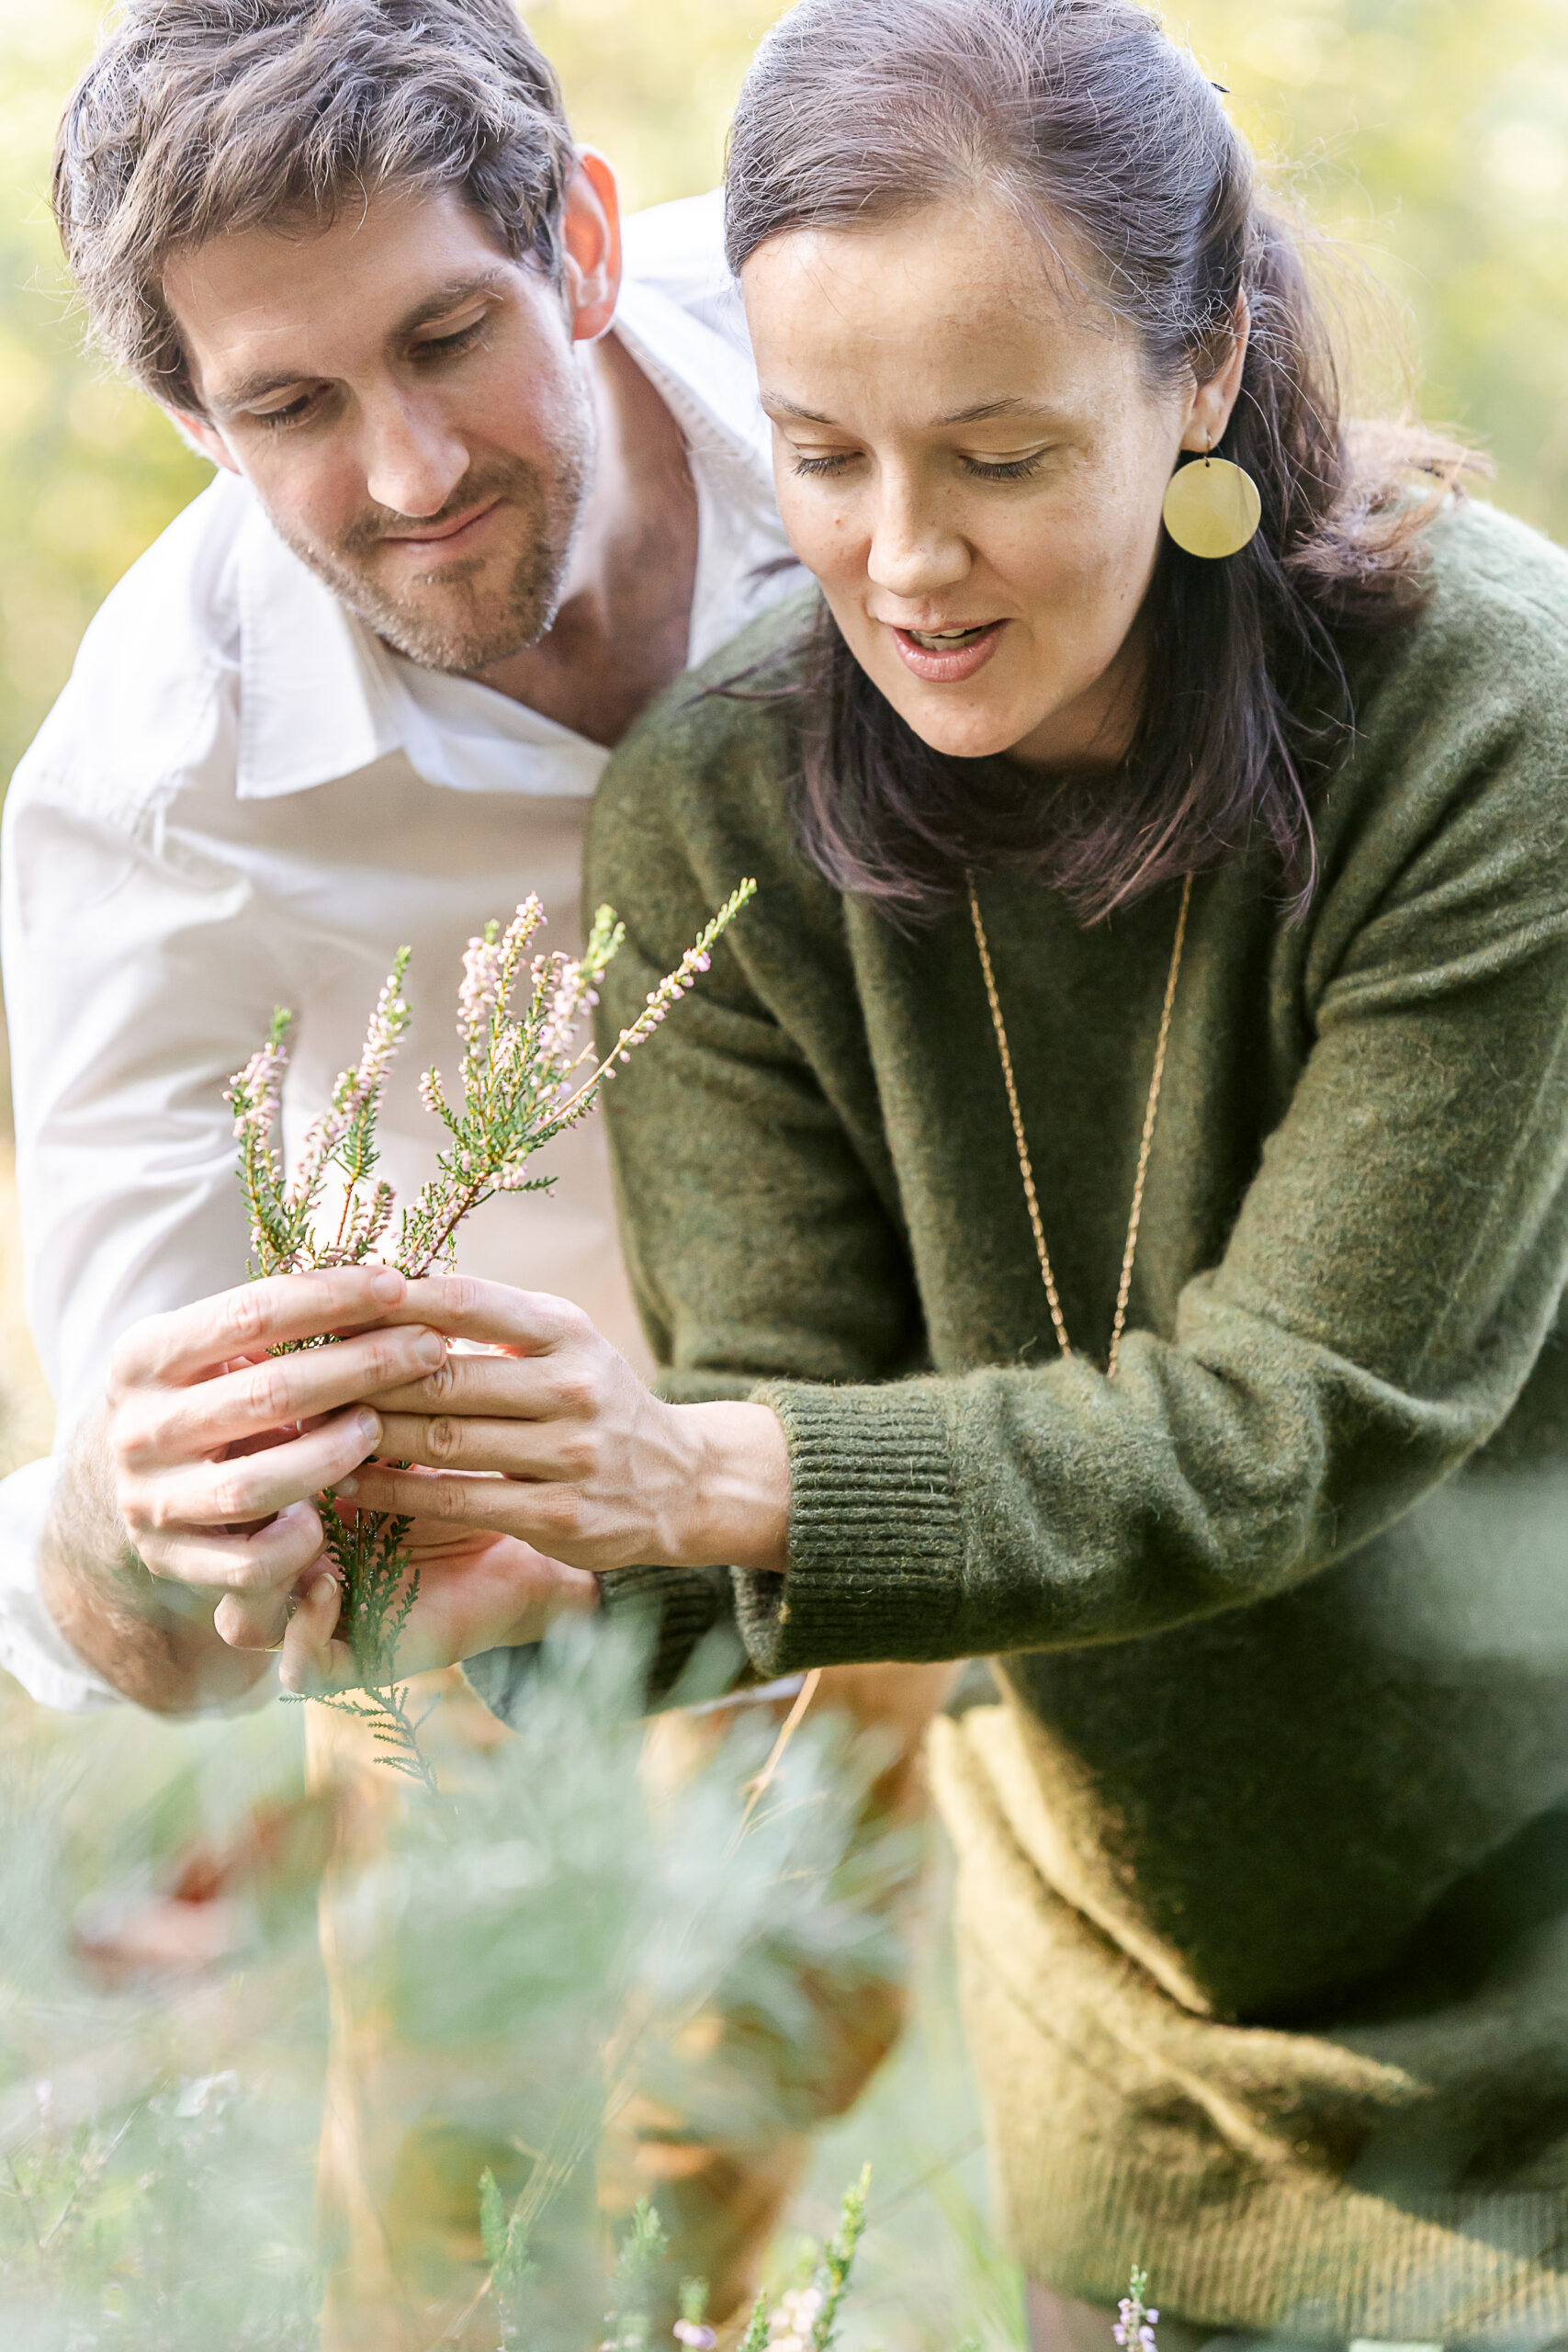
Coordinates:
[184,1521]
[218,1445]
[554,1440]
[477,1592]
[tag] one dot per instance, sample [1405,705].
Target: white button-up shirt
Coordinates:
[243,798]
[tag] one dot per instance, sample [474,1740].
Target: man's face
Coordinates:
[410,405]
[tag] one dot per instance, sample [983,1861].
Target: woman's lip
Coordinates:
[445,533]
[948,669]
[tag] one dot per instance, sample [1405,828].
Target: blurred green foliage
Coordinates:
[1430,133]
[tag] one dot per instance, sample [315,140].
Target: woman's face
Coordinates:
[973,464]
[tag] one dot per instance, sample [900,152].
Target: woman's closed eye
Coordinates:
[829,463]
[1004,469]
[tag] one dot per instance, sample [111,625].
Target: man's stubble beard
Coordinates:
[453,629]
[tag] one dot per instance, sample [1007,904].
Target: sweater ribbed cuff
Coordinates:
[875,1541]
[682,1609]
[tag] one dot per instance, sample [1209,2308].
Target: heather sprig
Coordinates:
[642,2253]
[1135,2322]
[506,2250]
[692,2328]
[806,2318]
[527,1073]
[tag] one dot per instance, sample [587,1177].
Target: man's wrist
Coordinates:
[740,1499]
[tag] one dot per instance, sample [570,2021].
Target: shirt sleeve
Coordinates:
[1390,1282]
[138,977]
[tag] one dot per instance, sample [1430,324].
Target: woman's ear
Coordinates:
[590,229]
[1213,400]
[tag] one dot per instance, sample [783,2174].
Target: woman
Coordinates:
[1108,1206]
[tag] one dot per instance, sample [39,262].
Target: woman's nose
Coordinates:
[413,460]
[912,552]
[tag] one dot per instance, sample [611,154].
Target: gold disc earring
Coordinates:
[1212,508]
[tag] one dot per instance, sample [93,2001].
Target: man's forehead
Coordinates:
[263,307]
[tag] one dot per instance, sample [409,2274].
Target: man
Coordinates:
[489,476]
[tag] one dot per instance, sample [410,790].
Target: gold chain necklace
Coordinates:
[1151,1114]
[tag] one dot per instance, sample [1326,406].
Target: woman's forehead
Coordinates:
[954,314]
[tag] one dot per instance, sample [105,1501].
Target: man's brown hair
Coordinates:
[200,117]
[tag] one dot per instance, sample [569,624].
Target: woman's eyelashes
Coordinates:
[977,469]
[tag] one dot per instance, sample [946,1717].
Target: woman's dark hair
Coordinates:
[1109,138]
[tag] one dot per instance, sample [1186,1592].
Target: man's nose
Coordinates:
[414,460]
[913,552]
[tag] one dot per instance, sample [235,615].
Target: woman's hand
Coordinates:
[555,1440]
[477,1592]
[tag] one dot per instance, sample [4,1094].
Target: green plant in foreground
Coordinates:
[642,2252]
[540,1949]
[528,1073]
[506,2250]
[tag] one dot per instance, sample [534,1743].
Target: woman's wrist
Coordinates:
[739,1514]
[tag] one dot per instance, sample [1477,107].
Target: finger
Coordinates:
[464,1308]
[309,1661]
[499,1504]
[519,1449]
[173,1425]
[513,1387]
[205,1495]
[252,1620]
[169,1350]
[270,1559]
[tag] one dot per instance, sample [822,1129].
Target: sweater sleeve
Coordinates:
[1388,1285]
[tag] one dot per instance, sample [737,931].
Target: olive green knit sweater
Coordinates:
[1263,1904]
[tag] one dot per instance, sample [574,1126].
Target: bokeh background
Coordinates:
[1429,138]
[1430,135]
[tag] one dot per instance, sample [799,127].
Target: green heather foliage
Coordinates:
[543,1939]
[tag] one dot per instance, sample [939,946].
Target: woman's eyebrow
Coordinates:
[776,405]
[1012,404]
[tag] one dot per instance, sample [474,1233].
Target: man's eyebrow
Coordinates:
[1014,404]
[248,390]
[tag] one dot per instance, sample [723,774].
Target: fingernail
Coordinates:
[432,1350]
[369,1427]
[345,1486]
[388,1288]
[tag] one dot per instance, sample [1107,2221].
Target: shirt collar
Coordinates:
[321,696]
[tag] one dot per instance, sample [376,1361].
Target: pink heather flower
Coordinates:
[260,1084]
[430,1092]
[790,2327]
[480,985]
[563,1010]
[530,917]
[321,1141]
[690,2331]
